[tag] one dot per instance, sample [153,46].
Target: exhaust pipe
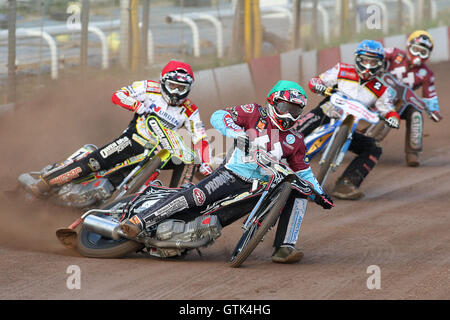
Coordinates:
[104,227]
[111,229]
[168,244]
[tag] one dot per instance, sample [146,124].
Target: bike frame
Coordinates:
[352,112]
[278,172]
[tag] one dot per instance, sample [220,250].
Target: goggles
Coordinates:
[286,109]
[419,51]
[176,87]
[369,62]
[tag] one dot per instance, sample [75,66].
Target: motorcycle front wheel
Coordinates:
[265,218]
[332,155]
[93,245]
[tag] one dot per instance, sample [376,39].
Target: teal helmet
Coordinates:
[286,101]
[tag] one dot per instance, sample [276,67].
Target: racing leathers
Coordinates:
[415,76]
[234,178]
[374,95]
[144,99]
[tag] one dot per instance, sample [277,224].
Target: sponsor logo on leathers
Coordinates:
[174,206]
[199,197]
[116,146]
[93,164]
[224,177]
[65,177]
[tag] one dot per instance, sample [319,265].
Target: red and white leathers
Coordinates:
[415,76]
[373,93]
[145,98]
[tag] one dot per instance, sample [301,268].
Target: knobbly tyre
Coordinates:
[334,138]
[100,235]
[123,179]
[274,196]
[404,97]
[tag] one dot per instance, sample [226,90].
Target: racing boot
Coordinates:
[412,159]
[132,227]
[287,254]
[346,190]
[39,189]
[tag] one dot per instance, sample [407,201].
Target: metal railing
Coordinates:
[48,34]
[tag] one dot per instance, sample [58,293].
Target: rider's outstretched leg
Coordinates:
[368,152]
[221,184]
[107,156]
[413,137]
[288,230]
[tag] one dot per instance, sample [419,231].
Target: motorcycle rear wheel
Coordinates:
[265,218]
[333,153]
[93,245]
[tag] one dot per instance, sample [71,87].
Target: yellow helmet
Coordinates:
[420,44]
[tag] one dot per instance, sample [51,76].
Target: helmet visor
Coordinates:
[419,51]
[285,109]
[175,87]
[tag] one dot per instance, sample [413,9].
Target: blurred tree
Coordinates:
[237,44]
[84,34]
[12,7]
[296,8]
[135,35]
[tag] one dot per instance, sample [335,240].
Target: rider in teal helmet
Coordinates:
[250,124]
[286,102]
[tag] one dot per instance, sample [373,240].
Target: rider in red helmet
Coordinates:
[167,100]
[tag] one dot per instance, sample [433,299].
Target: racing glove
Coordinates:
[435,116]
[319,88]
[205,169]
[433,109]
[139,107]
[392,119]
[243,143]
[324,200]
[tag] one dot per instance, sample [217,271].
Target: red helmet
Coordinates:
[176,80]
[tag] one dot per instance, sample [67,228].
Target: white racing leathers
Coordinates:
[373,94]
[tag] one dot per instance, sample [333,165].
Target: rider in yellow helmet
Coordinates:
[410,68]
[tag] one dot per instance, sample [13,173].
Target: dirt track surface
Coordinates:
[402,225]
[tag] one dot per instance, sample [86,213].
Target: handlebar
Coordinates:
[329,91]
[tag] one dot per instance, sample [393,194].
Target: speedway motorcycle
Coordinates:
[404,97]
[123,179]
[100,235]
[334,138]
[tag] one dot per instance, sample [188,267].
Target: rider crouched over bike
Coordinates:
[359,82]
[167,100]
[410,68]
[249,125]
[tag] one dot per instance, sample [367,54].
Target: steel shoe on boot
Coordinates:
[412,159]
[39,189]
[346,190]
[287,254]
[131,227]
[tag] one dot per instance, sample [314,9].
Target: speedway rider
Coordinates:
[246,123]
[167,100]
[359,82]
[409,67]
